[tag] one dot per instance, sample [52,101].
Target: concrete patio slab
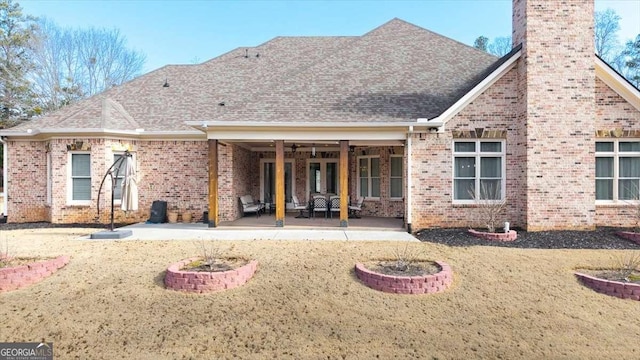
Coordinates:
[194,231]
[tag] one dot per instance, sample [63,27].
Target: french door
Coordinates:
[268,182]
[322,175]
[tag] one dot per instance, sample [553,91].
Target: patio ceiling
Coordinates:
[307,145]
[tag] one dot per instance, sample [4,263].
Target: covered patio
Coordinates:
[285,165]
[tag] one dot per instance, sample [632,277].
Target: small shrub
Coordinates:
[490,205]
[628,264]
[404,257]
[4,254]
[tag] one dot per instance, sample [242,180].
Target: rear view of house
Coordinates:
[413,122]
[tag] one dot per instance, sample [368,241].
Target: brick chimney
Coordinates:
[556,91]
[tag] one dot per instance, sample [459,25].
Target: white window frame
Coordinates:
[117,200]
[70,200]
[369,177]
[401,177]
[478,155]
[616,154]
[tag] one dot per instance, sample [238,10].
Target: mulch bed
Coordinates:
[601,238]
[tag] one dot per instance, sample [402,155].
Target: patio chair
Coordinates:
[334,202]
[320,204]
[250,206]
[354,210]
[299,206]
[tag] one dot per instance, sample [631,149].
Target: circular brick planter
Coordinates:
[629,235]
[203,281]
[609,287]
[508,236]
[12,278]
[426,284]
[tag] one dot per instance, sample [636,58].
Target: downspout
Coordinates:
[5,171]
[409,180]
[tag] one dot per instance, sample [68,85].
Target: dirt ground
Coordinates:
[305,303]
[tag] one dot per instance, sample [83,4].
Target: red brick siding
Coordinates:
[173,171]
[558,72]
[432,170]
[614,112]
[239,175]
[26,181]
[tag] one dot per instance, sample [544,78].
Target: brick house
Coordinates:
[407,118]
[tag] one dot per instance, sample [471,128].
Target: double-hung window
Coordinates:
[118,175]
[395,177]
[369,176]
[478,170]
[617,170]
[79,191]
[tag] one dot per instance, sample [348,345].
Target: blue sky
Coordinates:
[183,32]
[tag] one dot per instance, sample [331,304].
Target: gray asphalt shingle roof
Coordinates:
[396,72]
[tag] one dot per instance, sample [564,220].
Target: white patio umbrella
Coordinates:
[129,186]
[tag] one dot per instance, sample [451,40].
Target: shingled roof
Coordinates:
[397,72]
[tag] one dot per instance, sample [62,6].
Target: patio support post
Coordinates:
[213,183]
[409,185]
[344,183]
[280,204]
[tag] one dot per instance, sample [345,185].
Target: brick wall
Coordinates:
[26,181]
[614,112]
[173,171]
[239,172]
[432,170]
[558,84]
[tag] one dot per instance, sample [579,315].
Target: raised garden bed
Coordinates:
[511,235]
[16,277]
[623,290]
[179,279]
[422,284]
[629,235]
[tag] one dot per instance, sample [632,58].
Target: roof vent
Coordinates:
[221,103]
[166,83]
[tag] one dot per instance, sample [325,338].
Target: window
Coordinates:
[478,168]
[369,176]
[80,174]
[395,177]
[118,175]
[617,170]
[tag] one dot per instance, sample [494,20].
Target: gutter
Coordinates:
[409,181]
[5,172]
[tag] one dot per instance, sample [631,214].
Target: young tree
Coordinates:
[16,36]
[631,60]
[500,46]
[77,63]
[481,43]
[607,24]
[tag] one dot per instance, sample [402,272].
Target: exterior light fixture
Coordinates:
[293,148]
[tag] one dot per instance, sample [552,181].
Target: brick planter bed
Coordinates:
[610,287]
[508,236]
[204,281]
[629,235]
[12,278]
[426,284]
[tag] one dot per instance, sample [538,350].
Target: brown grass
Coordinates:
[305,302]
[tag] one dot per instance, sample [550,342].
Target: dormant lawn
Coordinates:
[305,303]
